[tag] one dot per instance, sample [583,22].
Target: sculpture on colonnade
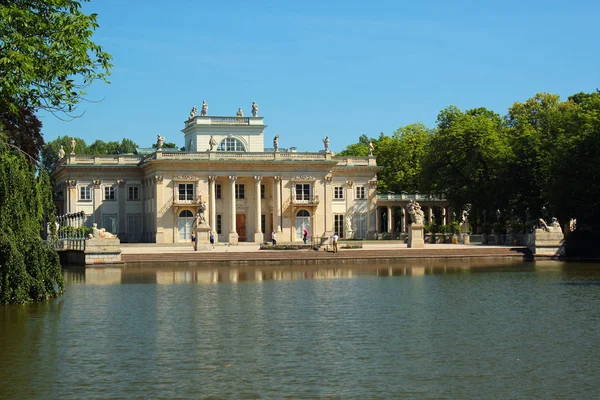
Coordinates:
[160,141]
[204,110]
[240,113]
[73,145]
[61,152]
[415,212]
[254,109]
[276,143]
[326,143]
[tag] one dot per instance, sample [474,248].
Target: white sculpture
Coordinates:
[204,110]
[349,222]
[193,112]
[160,141]
[326,143]
[254,109]
[240,113]
[101,233]
[211,143]
[61,152]
[72,145]
[415,212]
[276,143]
[553,227]
[371,148]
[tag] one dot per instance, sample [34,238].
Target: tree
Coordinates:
[166,145]
[47,56]
[466,160]
[29,267]
[23,130]
[50,150]
[360,149]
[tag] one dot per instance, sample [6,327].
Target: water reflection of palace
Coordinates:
[220,274]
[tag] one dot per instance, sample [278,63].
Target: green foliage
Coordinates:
[360,149]
[50,149]
[29,268]
[454,227]
[47,56]
[167,145]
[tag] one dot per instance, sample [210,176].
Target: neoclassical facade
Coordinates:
[250,191]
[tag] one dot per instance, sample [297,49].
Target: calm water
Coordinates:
[455,331]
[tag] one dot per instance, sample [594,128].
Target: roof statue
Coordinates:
[326,143]
[371,148]
[254,109]
[276,143]
[72,145]
[193,112]
[61,152]
[211,143]
[160,140]
[240,113]
[204,110]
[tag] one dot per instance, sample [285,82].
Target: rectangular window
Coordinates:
[109,222]
[262,192]
[186,191]
[85,193]
[109,193]
[303,191]
[133,193]
[219,221]
[360,225]
[218,191]
[134,227]
[338,193]
[239,191]
[360,192]
[263,223]
[338,224]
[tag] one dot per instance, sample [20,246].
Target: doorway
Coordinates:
[240,224]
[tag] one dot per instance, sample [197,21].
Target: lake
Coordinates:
[461,329]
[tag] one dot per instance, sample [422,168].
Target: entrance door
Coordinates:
[302,223]
[240,223]
[185,224]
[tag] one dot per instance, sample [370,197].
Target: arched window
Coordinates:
[302,222]
[231,144]
[186,224]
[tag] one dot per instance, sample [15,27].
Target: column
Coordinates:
[97,201]
[444,216]
[328,217]
[277,204]
[71,197]
[233,236]
[376,219]
[258,233]
[405,218]
[159,202]
[122,215]
[389,220]
[429,214]
[212,216]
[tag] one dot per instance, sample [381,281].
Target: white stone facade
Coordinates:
[249,192]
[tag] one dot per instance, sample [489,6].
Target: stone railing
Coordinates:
[178,201]
[406,197]
[112,159]
[312,200]
[360,161]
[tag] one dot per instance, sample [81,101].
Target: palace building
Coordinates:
[249,190]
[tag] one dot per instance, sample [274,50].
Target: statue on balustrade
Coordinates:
[160,141]
[326,143]
[371,148]
[193,112]
[240,113]
[72,145]
[204,110]
[254,109]
[276,143]
[61,152]
[415,212]
[212,143]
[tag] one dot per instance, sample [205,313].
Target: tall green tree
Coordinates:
[47,56]
[466,159]
[360,149]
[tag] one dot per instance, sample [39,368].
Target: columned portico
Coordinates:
[277,204]
[233,235]
[212,216]
[258,234]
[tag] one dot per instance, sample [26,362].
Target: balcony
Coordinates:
[306,200]
[186,201]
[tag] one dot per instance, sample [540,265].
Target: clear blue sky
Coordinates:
[328,67]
